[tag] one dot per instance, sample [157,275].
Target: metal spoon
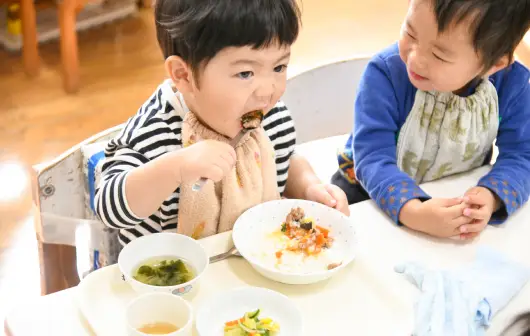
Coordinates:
[232,252]
[247,127]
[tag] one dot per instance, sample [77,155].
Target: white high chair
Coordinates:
[59,199]
[321,101]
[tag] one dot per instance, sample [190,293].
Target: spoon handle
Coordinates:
[198,185]
[232,252]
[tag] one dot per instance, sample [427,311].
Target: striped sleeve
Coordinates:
[280,129]
[153,131]
[110,201]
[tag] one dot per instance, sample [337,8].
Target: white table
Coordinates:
[378,301]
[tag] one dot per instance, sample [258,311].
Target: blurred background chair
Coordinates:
[67,13]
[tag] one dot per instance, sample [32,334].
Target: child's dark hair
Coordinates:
[520,326]
[196,30]
[497,26]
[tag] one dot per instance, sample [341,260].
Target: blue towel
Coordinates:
[463,302]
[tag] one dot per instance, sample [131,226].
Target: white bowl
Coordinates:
[159,308]
[252,237]
[163,245]
[228,306]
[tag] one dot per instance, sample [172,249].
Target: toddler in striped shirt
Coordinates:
[225,58]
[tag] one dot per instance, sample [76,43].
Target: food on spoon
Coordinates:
[252,120]
[163,272]
[251,325]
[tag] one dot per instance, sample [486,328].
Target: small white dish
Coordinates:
[254,238]
[232,305]
[154,308]
[163,245]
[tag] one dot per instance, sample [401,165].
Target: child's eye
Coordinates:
[245,74]
[280,68]
[412,37]
[439,58]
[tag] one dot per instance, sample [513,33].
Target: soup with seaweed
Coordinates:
[164,271]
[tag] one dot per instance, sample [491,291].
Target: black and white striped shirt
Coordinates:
[152,132]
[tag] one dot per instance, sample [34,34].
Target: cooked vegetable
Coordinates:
[251,325]
[306,223]
[305,236]
[166,272]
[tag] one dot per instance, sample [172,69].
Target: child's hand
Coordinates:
[480,203]
[209,159]
[439,217]
[330,195]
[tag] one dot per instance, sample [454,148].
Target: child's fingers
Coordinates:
[450,202]
[475,199]
[472,191]
[215,173]
[461,220]
[329,200]
[480,213]
[340,197]
[229,150]
[469,236]
[322,195]
[456,210]
[475,227]
[230,160]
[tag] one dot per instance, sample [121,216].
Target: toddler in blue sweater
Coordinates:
[432,105]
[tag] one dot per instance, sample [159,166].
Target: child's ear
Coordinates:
[180,74]
[502,63]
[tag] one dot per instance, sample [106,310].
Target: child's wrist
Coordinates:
[409,213]
[496,200]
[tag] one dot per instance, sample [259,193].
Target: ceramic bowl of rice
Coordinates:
[295,241]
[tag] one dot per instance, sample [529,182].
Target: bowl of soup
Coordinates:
[159,314]
[163,262]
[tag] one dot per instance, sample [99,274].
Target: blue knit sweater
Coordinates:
[384,100]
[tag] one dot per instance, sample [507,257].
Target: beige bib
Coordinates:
[216,206]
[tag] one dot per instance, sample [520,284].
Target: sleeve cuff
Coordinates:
[394,196]
[507,193]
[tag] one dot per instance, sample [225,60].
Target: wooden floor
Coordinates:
[120,67]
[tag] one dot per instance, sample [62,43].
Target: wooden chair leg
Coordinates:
[69,51]
[30,47]
[58,267]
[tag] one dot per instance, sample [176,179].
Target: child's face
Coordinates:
[236,81]
[444,62]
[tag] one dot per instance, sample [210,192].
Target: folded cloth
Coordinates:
[462,302]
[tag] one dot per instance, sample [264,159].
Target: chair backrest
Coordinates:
[58,192]
[321,100]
